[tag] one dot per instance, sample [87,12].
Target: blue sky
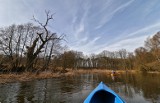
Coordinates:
[90,26]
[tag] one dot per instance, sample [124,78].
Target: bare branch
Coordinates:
[49,17]
[40,36]
[37,21]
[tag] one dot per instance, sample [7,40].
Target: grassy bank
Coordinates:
[28,76]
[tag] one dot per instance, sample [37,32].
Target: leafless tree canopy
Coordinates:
[25,43]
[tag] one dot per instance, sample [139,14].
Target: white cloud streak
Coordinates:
[109,16]
[130,44]
[82,20]
[131,41]
[87,47]
[149,29]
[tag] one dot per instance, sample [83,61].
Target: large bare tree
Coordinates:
[43,36]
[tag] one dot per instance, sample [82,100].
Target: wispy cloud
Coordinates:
[131,41]
[130,44]
[109,16]
[90,46]
[91,26]
[79,21]
[79,30]
[146,30]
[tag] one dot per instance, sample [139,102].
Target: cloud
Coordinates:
[79,30]
[86,22]
[78,24]
[148,29]
[128,44]
[131,41]
[20,11]
[110,15]
[86,45]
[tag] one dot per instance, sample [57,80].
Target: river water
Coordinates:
[133,88]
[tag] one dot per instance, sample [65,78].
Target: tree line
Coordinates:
[28,47]
[145,58]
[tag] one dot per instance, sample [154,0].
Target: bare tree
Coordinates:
[7,43]
[44,36]
[153,45]
[123,56]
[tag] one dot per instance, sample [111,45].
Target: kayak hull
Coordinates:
[103,94]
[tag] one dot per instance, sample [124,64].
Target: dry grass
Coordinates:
[28,76]
[100,71]
[94,71]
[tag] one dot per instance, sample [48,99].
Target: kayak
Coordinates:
[103,94]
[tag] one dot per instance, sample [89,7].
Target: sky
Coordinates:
[90,26]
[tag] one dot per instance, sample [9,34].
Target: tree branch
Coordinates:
[40,36]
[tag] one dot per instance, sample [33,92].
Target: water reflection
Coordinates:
[134,88]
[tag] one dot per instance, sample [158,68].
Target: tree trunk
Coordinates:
[30,56]
[30,62]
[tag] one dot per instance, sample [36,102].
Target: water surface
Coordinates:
[133,88]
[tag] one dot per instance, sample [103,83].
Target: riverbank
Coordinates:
[28,76]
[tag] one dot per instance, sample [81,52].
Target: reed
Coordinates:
[28,76]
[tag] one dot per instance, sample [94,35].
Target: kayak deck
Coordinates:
[102,97]
[103,94]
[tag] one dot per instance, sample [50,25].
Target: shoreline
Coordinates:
[29,76]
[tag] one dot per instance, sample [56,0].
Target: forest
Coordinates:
[31,47]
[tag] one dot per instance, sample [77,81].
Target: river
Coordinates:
[132,87]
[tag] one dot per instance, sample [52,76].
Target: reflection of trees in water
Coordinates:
[25,92]
[132,85]
[149,84]
[74,89]
[8,92]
